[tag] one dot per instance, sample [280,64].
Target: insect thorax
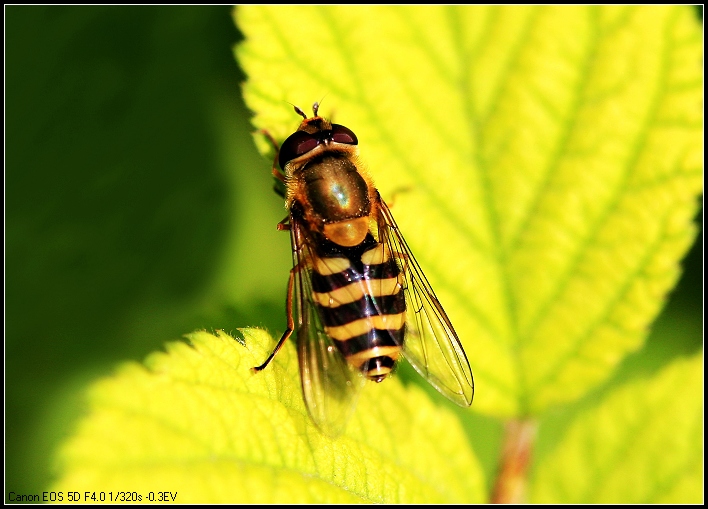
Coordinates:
[335,198]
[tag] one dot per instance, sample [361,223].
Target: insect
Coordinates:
[360,299]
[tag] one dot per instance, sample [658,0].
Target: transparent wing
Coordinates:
[431,344]
[330,385]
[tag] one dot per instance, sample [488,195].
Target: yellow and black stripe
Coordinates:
[358,292]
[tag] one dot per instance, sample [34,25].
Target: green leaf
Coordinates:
[552,157]
[643,444]
[198,422]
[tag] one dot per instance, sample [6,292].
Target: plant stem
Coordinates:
[510,485]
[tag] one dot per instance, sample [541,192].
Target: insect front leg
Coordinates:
[279,176]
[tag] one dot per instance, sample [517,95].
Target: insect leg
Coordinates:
[396,192]
[284,224]
[291,325]
[279,175]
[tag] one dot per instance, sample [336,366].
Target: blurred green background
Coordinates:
[137,210]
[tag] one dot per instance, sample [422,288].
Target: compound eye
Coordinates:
[295,145]
[342,134]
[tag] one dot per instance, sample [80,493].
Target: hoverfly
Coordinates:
[361,300]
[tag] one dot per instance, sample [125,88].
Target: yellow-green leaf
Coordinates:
[552,157]
[642,444]
[198,422]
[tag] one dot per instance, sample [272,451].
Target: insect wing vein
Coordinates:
[330,385]
[431,344]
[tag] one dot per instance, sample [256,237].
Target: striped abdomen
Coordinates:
[362,307]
